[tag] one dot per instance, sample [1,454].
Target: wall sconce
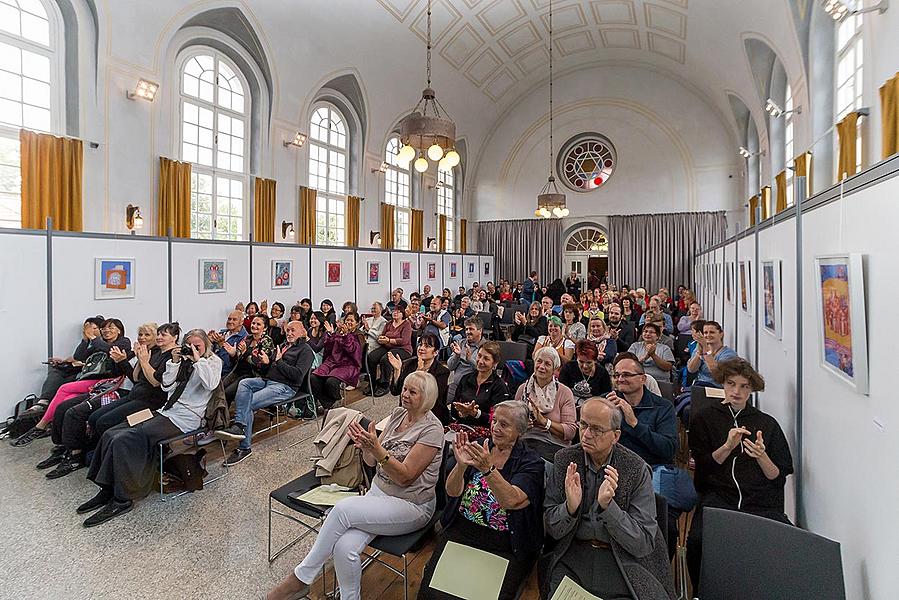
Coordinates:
[374,237]
[298,140]
[775,110]
[382,168]
[747,154]
[839,9]
[133,219]
[145,90]
[286,229]
[432,243]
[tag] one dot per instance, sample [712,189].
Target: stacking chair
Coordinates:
[276,410]
[513,351]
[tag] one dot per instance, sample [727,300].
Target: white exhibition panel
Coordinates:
[487,272]
[336,292]
[74,277]
[452,263]
[195,310]
[471,265]
[436,282]
[23,282]
[366,292]
[410,283]
[264,282]
[844,431]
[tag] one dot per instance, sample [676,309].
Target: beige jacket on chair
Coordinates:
[332,440]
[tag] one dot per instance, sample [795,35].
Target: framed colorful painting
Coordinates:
[113,278]
[771,301]
[471,268]
[745,278]
[405,270]
[729,282]
[213,275]
[373,268]
[432,271]
[486,268]
[282,274]
[840,287]
[453,273]
[333,272]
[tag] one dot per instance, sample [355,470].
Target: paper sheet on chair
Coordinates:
[469,573]
[569,590]
[327,495]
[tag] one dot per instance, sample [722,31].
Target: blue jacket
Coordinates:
[232,339]
[527,290]
[654,437]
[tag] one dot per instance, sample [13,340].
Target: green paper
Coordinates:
[569,590]
[469,573]
[327,495]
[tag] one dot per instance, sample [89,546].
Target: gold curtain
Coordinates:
[847,130]
[889,116]
[353,204]
[766,202]
[753,203]
[51,170]
[174,198]
[441,233]
[803,166]
[264,210]
[388,220]
[781,180]
[306,217]
[463,235]
[418,230]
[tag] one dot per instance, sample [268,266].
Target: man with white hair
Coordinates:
[224,341]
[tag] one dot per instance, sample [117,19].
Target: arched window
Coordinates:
[788,142]
[397,191]
[214,132]
[328,173]
[29,89]
[849,63]
[446,203]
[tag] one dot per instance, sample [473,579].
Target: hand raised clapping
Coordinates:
[607,487]
[755,449]
[365,440]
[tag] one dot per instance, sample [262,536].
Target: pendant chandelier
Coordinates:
[428,130]
[550,201]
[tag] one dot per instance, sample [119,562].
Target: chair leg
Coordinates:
[405,578]
[269,530]
[161,494]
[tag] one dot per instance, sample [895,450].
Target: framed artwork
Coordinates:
[772,298]
[113,278]
[333,272]
[432,271]
[471,269]
[282,274]
[486,268]
[839,281]
[213,275]
[405,270]
[374,272]
[729,282]
[453,273]
[745,278]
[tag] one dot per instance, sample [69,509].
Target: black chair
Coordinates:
[662,516]
[195,434]
[700,400]
[786,561]
[513,351]
[274,412]
[667,389]
[365,373]
[487,319]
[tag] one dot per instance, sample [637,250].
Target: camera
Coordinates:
[187,350]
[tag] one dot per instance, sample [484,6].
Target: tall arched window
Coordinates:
[29,89]
[397,192]
[328,173]
[788,142]
[849,63]
[214,132]
[446,203]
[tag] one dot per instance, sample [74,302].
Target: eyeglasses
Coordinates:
[593,429]
[625,375]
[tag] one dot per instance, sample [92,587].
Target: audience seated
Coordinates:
[426,361]
[742,456]
[600,509]
[529,327]
[620,330]
[125,461]
[585,377]
[552,406]
[276,323]
[656,310]
[463,354]
[373,328]
[437,322]
[708,353]
[606,347]
[478,391]
[396,339]
[657,359]
[225,341]
[342,361]
[629,311]
[556,340]
[694,313]
[402,497]
[572,328]
[327,309]
[397,301]
[247,357]
[249,311]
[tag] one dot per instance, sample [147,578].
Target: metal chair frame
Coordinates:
[194,434]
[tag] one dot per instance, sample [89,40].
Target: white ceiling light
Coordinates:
[145,90]
[298,140]
[550,201]
[776,111]
[840,9]
[747,154]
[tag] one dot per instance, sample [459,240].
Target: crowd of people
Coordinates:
[553,457]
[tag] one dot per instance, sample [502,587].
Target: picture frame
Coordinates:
[432,271]
[471,268]
[333,272]
[373,268]
[282,274]
[842,322]
[213,275]
[486,268]
[453,269]
[114,278]
[729,282]
[745,279]
[405,271]
[771,298]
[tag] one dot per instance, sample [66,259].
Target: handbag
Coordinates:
[97,366]
[675,485]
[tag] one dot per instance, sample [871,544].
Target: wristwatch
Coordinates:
[488,471]
[548,425]
[384,460]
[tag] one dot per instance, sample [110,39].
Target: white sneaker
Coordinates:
[204,439]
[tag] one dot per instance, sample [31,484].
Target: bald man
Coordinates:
[224,341]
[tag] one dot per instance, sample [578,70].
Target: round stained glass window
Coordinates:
[586,162]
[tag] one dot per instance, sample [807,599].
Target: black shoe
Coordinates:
[380,390]
[236,432]
[69,465]
[29,436]
[99,501]
[237,456]
[308,415]
[56,456]
[112,509]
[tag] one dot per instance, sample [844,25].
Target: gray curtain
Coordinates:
[653,251]
[521,246]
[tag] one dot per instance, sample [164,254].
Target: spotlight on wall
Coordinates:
[432,243]
[298,140]
[145,90]
[775,110]
[747,154]
[840,9]
[286,229]
[382,168]
[374,237]
[133,220]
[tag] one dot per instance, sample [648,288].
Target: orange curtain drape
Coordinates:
[306,217]
[264,210]
[51,170]
[847,131]
[417,242]
[388,225]
[766,202]
[803,166]
[353,204]
[753,203]
[889,116]
[174,198]
[463,235]
[441,233]
[781,181]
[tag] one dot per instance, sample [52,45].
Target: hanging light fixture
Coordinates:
[428,130]
[550,201]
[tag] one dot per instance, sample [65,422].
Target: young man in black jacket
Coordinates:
[283,378]
[742,456]
[620,330]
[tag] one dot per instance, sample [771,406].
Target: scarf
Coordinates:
[543,398]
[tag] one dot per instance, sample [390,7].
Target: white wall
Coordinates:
[337,294]
[207,311]
[410,285]
[469,276]
[449,281]
[263,257]
[436,282]
[366,292]
[850,440]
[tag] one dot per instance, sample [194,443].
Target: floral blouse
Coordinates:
[480,506]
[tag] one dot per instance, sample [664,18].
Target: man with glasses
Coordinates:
[600,508]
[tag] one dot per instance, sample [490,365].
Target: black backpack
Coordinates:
[22,419]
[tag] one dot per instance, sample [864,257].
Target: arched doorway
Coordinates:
[586,250]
